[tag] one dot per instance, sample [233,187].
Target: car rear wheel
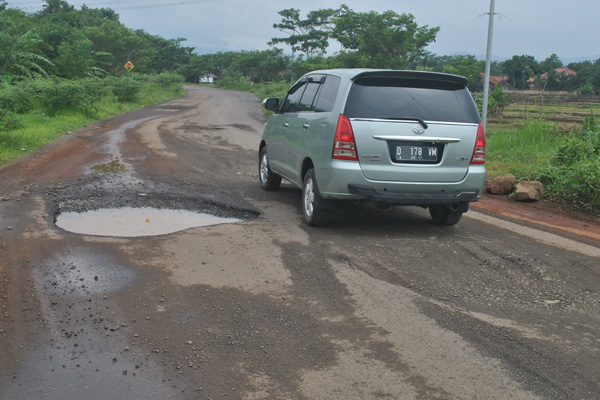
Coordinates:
[268,179]
[316,211]
[444,215]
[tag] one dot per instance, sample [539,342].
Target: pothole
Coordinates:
[113,167]
[135,222]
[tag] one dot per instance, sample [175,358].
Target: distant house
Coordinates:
[209,78]
[500,81]
[561,73]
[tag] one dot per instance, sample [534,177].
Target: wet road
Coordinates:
[381,304]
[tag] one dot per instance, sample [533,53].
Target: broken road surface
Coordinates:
[381,304]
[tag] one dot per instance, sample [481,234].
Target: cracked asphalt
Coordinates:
[381,304]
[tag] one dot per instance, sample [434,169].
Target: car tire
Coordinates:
[443,215]
[316,211]
[268,179]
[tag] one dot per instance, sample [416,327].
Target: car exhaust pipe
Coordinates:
[455,206]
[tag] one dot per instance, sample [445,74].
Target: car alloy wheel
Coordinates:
[317,211]
[268,179]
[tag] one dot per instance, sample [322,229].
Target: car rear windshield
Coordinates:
[399,98]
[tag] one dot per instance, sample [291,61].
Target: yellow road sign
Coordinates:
[129,66]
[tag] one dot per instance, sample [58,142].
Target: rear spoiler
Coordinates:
[418,75]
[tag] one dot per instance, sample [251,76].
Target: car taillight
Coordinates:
[479,151]
[344,146]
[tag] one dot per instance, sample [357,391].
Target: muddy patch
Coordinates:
[113,167]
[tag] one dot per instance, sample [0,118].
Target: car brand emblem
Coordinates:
[419,130]
[372,157]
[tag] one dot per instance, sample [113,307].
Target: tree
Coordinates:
[261,66]
[20,47]
[587,80]
[162,55]
[75,58]
[97,16]
[467,66]
[551,63]
[56,7]
[310,35]
[388,40]
[520,69]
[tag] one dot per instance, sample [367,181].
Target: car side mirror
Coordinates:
[271,104]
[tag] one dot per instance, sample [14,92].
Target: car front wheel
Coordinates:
[316,211]
[268,179]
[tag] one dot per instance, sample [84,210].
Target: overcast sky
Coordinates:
[570,29]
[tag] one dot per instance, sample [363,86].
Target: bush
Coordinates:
[498,101]
[167,79]
[575,170]
[234,82]
[8,121]
[125,89]
[81,95]
[19,98]
[271,89]
[587,88]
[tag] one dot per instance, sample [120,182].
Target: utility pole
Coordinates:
[488,58]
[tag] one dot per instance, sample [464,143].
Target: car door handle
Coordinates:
[306,126]
[286,124]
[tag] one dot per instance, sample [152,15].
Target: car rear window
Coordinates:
[397,98]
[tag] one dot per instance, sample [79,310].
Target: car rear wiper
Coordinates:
[419,120]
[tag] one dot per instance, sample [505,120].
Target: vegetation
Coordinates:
[566,161]
[43,110]
[61,68]
[574,171]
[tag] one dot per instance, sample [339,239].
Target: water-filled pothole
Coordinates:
[135,222]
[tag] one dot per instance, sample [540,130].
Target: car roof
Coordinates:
[355,73]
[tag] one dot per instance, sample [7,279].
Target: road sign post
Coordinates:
[129,67]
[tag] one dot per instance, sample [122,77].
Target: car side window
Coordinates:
[327,95]
[308,98]
[292,100]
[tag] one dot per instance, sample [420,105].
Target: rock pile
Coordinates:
[523,191]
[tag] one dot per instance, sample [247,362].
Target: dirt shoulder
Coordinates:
[549,213]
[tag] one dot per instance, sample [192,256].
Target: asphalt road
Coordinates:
[382,304]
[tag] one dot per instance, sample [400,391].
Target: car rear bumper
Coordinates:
[414,199]
[345,181]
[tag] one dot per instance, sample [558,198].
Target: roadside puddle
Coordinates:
[135,222]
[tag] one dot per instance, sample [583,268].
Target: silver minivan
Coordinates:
[389,137]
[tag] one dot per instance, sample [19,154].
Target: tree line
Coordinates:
[64,42]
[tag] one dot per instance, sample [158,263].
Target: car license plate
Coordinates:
[416,153]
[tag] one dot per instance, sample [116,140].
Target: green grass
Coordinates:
[524,149]
[38,128]
[567,163]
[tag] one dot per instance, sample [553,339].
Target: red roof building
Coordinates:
[500,81]
[562,72]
